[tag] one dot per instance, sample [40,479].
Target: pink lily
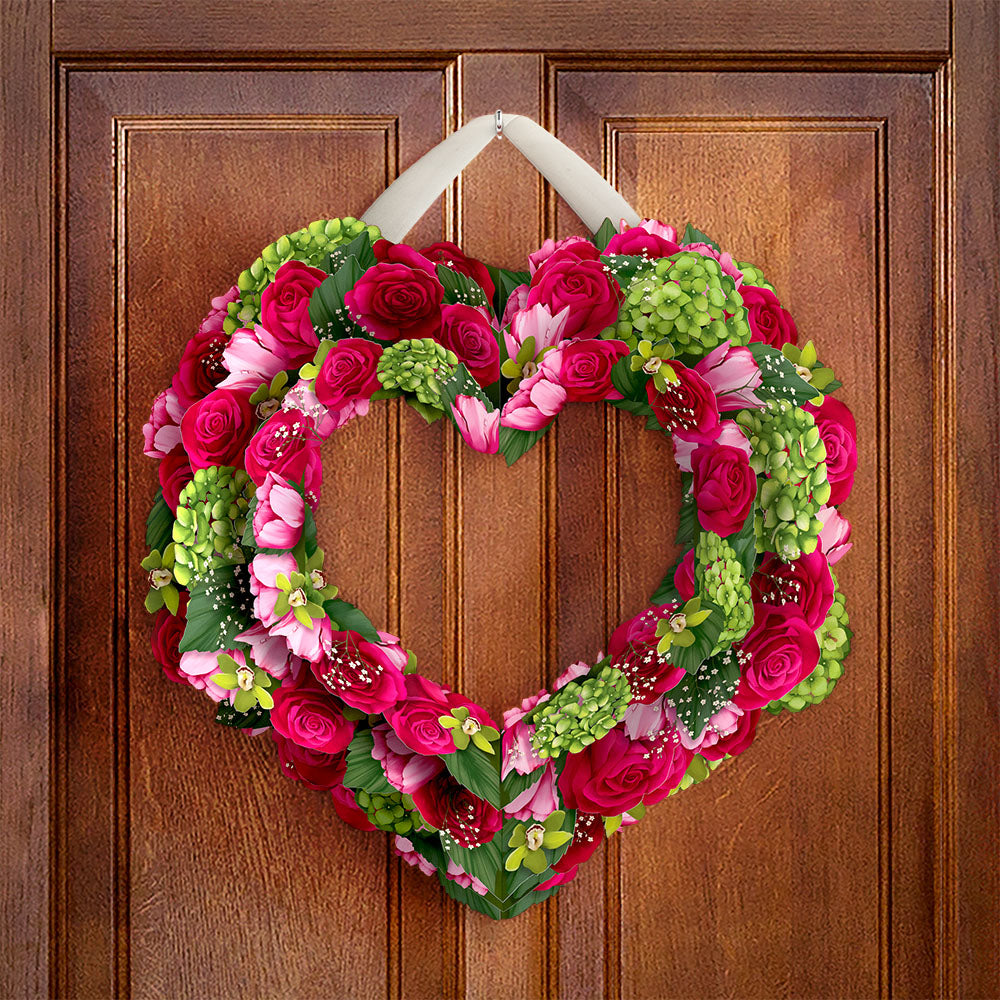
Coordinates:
[539,801]
[732,374]
[479,427]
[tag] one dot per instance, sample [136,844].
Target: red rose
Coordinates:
[585,368]
[588,834]
[348,372]
[638,242]
[468,333]
[396,301]
[346,806]
[175,473]
[633,651]
[415,717]
[284,309]
[362,674]
[684,576]
[201,368]
[805,582]
[308,716]
[167,632]
[782,652]
[447,805]
[315,769]
[453,257]
[676,758]
[737,741]
[769,322]
[592,295]
[286,445]
[399,253]
[724,487]
[615,774]
[215,430]
[840,435]
[688,404]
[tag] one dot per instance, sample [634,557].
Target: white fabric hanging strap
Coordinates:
[591,197]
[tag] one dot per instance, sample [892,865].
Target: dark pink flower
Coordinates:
[216,429]
[287,445]
[779,651]
[688,404]
[724,487]
[633,651]
[403,769]
[175,473]
[468,333]
[805,582]
[737,741]
[397,301]
[455,258]
[585,369]
[348,372]
[575,246]
[284,310]
[387,252]
[588,835]
[769,322]
[363,674]
[415,717]
[167,632]
[840,435]
[592,295]
[346,806]
[315,769]
[447,805]
[307,715]
[201,368]
[639,242]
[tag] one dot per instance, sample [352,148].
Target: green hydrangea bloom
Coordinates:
[416,366]
[752,275]
[720,578]
[788,449]
[210,521]
[834,638]
[580,713]
[310,245]
[393,812]
[685,299]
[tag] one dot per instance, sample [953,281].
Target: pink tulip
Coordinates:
[725,260]
[458,874]
[835,536]
[162,432]
[403,846]
[537,322]
[728,432]
[197,668]
[280,514]
[479,427]
[537,802]
[548,248]
[251,357]
[403,769]
[538,398]
[732,374]
[642,722]
[654,227]
[516,301]
[270,652]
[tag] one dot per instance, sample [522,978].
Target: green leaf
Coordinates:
[515,442]
[477,771]
[363,771]
[744,543]
[692,235]
[687,520]
[666,592]
[505,282]
[350,619]
[603,235]
[514,784]
[360,247]
[706,635]
[632,385]
[461,383]
[470,898]
[779,379]
[256,718]
[428,412]
[159,524]
[219,608]
[696,696]
[641,407]
[330,317]
[460,288]
[247,542]
[484,861]
[624,267]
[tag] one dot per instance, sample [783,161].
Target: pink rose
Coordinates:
[539,801]
[414,718]
[479,427]
[640,242]
[769,322]
[468,333]
[684,576]
[574,246]
[449,806]
[456,259]
[168,630]
[676,758]
[284,310]
[732,374]
[840,435]
[215,430]
[724,487]
[805,582]
[345,804]
[174,473]
[362,674]
[387,252]
[835,535]
[781,651]
[585,372]
[633,651]
[348,372]
[280,514]
[403,769]
[735,742]
[201,368]
[286,444]
[688,404]
[162,432]
[396,301]
[304,713]
[315,769]
[582,284]
[615,774]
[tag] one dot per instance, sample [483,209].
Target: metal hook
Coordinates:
[498,124]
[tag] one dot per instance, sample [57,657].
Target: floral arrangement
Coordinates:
[750,619]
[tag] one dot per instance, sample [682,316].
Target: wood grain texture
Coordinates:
[28,531]
[312,26]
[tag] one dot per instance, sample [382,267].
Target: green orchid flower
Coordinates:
[163,590]
[531,841]
[676,630]
[250,684]
[808,368]
[303,593]
[267,397]
[650,359]
[464,729]
[311,369]
[611,823]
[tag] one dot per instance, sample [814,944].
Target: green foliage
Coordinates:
[779,378]
[700,695]
[692,235]
[345,617]
[220,606]
[515,442]
[477,771]
[255,718]
[603,235]
[706,636]
[363,771]
[632,385]
[159,524]
[505,282]
[460,288]
[330,317]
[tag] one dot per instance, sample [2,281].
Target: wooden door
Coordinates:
[845,147]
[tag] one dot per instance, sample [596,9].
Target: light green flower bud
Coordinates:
[418,367]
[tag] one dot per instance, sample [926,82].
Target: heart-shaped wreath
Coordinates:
[331,317]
